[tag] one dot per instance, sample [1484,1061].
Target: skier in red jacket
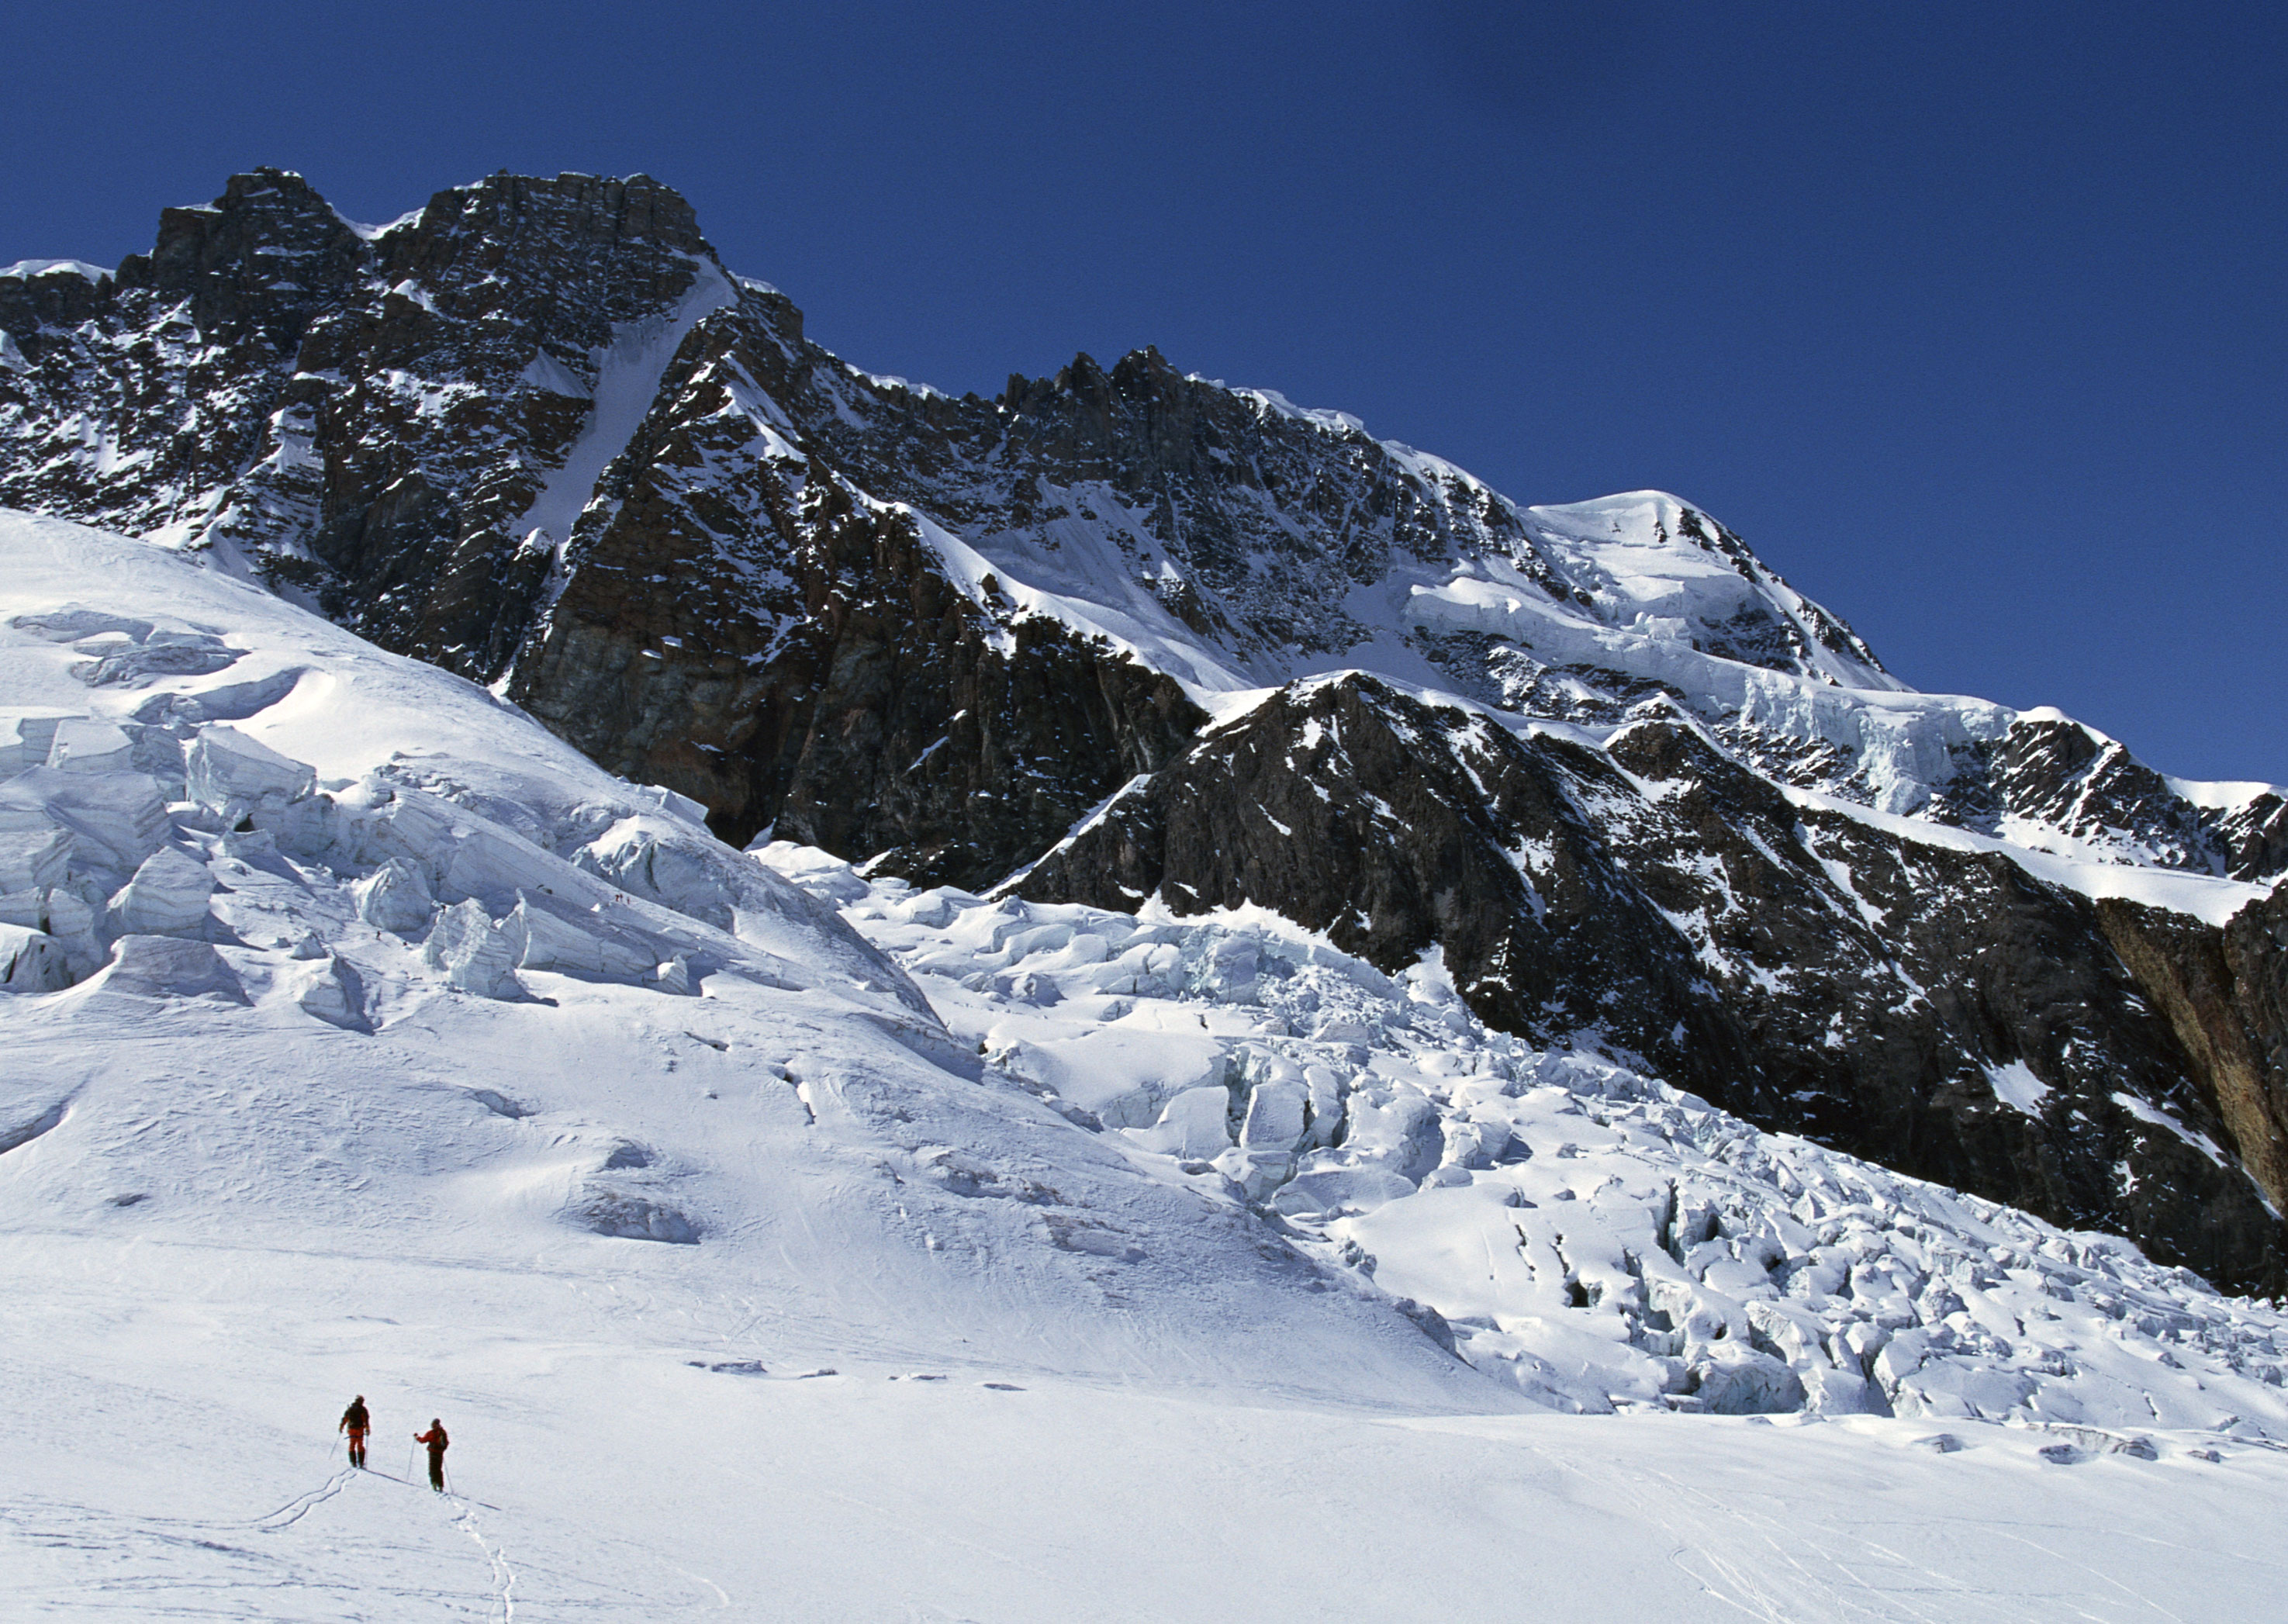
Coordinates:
[436,1440]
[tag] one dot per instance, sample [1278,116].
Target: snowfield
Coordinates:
[781,1243]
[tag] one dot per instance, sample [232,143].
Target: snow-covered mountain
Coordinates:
[436,429]
[789,1243]
[1127,634]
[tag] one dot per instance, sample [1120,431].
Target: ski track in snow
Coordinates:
[504,1575]
[294,1510]
[444,1069]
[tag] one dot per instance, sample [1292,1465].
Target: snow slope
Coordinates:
[1596,1238]
[364,1038]
[167,1458]
[482,989]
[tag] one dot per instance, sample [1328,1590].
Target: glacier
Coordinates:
[784,1240]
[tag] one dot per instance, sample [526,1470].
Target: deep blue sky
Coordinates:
[1970,317]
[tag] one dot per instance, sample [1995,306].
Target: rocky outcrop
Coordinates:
[2054,774]
[367,417]
[2225,995]
[1395,828]
[825,679]
[139,399]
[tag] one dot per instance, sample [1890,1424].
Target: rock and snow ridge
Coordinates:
[966,640]
[1321,548]
[498,369]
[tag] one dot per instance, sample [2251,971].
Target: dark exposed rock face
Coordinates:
[536,434]
[2225,995]
[364,419]
[1792,963]
[2058,773]
[857,701]
[1395,827]
[136,392]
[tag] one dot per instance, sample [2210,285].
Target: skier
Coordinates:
[436,1440]
[357,1423]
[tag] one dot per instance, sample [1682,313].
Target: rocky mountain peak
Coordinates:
[255,263]
[508,219]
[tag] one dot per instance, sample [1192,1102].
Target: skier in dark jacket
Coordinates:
[357,1423]
[436,1440]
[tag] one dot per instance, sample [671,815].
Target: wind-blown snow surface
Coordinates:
[362,1038]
